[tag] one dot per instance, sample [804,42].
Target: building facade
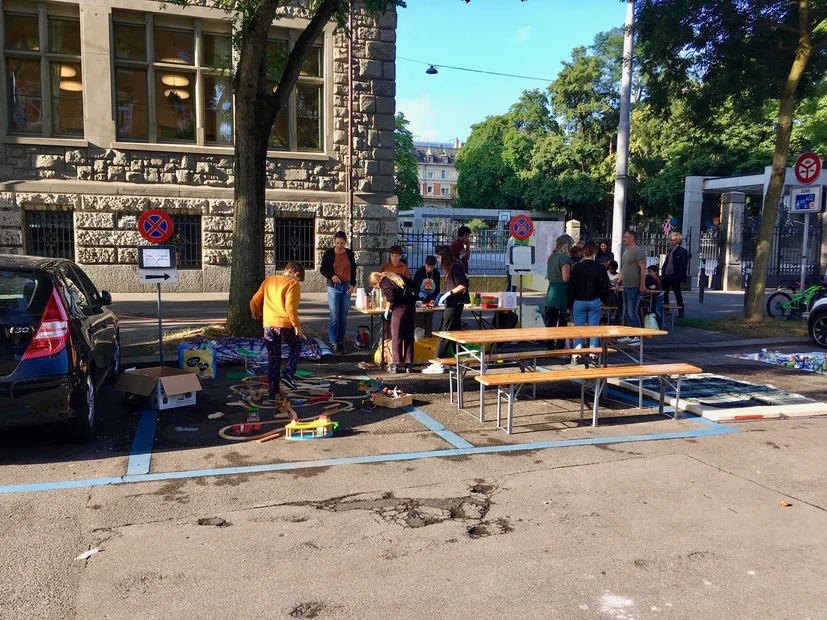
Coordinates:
[437,174]
[112,108]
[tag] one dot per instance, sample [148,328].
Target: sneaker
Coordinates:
[273,397]
[290,382]
[433,369]
[634,342]
[575,359]
[334,348]
[625,339]
[393,369]
[408,369]
[342,350]
[594,360]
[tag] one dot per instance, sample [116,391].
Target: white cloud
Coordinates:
[421,113]
[521,36]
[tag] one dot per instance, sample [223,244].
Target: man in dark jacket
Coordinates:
[673,272]
[339,267]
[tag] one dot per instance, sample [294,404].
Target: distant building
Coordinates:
[437,174]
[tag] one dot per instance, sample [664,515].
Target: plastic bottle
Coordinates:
[477,299]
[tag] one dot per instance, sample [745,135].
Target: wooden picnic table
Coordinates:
[476,312]
[472,344]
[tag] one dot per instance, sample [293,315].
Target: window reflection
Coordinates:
[64,36]
[218,104]
[308,115]
[312,66]
[132,103]
[25,95]
[217,51]
[176,105]
[130,42]
[22,32]
[174,46]
[67,99]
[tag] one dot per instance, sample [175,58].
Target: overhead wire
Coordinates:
[511,75]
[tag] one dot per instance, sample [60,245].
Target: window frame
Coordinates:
[150,22]
[198,243]
[45,56]
[307,223]
[56,214]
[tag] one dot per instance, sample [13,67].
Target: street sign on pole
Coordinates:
[157,264]
[805,199]
[521,227]
[155,226]
[807,168]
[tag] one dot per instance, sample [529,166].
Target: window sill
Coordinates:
[193,149]
[40,141]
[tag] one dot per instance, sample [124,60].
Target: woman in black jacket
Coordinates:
[587,284]
[455,297]
[339,267]
[400,310]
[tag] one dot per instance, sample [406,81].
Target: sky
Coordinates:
[528,38]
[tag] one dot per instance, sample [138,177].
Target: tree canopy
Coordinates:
[404,166]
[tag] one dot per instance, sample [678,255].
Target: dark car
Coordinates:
[817,322]
[59,343]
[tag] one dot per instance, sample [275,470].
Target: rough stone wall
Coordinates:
[106,236]
[105,219]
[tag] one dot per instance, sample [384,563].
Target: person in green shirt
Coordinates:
[632,280]
[558,272]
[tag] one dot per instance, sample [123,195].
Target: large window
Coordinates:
[43,70]
[187,240]
[50,233]
[161,75]
[294,239]
[300,126]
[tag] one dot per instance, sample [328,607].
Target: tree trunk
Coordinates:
[769,214]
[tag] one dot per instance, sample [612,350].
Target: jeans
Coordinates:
[273,337]
[657,308]
[338,301]
[586,313]
[631,300]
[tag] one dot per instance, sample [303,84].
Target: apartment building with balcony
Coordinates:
[437,173]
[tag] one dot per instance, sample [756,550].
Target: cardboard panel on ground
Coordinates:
[163,388]
[723,399]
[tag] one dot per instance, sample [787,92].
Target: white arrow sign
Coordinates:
[157,276]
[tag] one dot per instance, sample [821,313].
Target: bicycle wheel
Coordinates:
[779,306]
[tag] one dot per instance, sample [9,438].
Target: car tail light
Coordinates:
[52,333]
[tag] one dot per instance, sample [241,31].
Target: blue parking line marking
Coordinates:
[358,460]
[141,455]
[437,427]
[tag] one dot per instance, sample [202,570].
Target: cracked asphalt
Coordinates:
[674,529]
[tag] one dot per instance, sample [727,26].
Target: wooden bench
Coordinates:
[506,383]
[521,357]
[669,311]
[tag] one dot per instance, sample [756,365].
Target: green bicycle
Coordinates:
[782,305]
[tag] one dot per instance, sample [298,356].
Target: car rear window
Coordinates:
[23,294]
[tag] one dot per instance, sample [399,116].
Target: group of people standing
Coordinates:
[581,278]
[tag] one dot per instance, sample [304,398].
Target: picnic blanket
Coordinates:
[228,350]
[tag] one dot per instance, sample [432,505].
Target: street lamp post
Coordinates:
[622,167]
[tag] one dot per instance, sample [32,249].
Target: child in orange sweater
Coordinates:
[279,296]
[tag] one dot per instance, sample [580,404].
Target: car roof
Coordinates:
[29,262]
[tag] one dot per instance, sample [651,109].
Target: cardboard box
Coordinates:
[164,388]
[392,403]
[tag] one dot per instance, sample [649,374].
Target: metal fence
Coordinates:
[187,240]
[51,234]
[294,239]
[488,249]
[785,249]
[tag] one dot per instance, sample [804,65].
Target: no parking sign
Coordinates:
[155,226]
[521,227]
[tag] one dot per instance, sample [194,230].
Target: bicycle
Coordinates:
[782,305]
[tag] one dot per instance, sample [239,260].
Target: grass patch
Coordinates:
[174,337]
[744,328]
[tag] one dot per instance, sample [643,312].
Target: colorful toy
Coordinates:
[319,428]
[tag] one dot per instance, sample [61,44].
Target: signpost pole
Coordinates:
[804,252]
[160,327]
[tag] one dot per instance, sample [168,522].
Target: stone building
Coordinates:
[118,107]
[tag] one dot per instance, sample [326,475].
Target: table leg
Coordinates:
[450,386]
[640,380]
[662,394]
[482,405]
[499,405]
[677,397]
[510,408]
[596,397]
[382,342]
[582,398]
[604,343]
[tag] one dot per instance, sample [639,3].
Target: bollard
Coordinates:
[701,283]
[747,282]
